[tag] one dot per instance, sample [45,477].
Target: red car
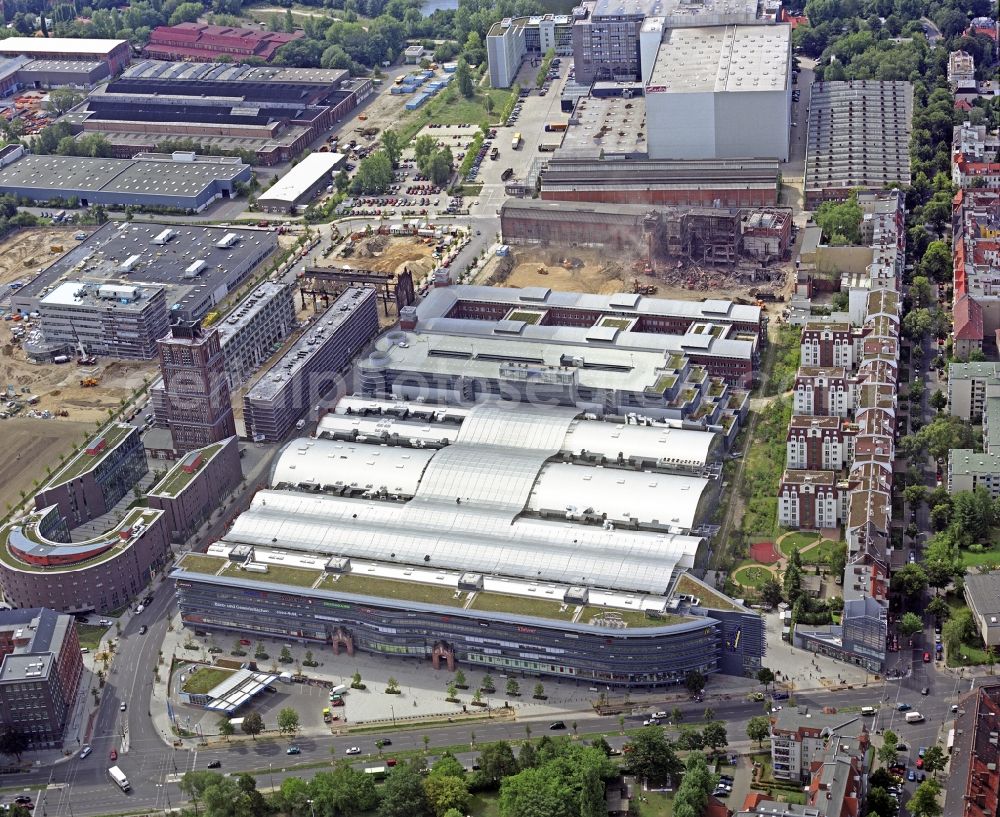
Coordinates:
[927,657]
[113,754]
[920,763]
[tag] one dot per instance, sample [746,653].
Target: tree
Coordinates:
[440,166]
[392,686]
[488,685]
[403,794]
[463,78]
[225,728]
[342,181]
[887,751]
[344,791]
[939,401]
[288,721]
[690,739]
[539,691]
[924,802]
[838,559]
[497,761]
[934,759]
[62,99]
[460,680]
[13,742]
[423,147]
[909,624]
[356,681]
[374,174]
[392,145]
[676,716]
[285,656]
[938,608]
[972,513]
[186,13]
[880,804]
[194,785]
[765,676]
[527,757]
[708,714]
[651,757]
[446,792]
[921,292]
[960,627]
[771,592]
[759,728]
[513,688]
[694,681]
[253,724]
[910,580]
[840,221]
[715,736]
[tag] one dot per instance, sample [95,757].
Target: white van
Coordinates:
[914,717]
[867,711]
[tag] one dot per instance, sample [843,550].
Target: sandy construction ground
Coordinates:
[26,252]
[33,445]
[381,253]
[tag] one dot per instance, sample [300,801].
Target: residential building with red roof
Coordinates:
[968,322]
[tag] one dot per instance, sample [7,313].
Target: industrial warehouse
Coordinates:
[487,536]
[142,272]
[181,181]
[270,113]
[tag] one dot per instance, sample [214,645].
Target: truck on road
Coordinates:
[118,776]
[914,717]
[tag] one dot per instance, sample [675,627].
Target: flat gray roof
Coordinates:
[62,45]
[232,72]
[101,256]
[136,176]
[719,59]
[247,309]
[309,344]
[609,125]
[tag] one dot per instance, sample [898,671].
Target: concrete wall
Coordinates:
[505,52]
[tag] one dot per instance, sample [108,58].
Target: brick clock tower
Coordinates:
[199,409]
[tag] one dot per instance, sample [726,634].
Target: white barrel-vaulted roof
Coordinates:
[460,537]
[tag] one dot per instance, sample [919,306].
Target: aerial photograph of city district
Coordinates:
[500,408]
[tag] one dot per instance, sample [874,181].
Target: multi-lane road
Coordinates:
[79,788]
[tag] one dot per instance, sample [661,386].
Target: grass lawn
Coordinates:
[449,107]
[204,679]
[972,653]
[751,574]
[539,608]
[821,554]
[278,574]
[485,804]
[410,591]
[90,635]
[199,563]
[797,540]
[654,804]
[970,559]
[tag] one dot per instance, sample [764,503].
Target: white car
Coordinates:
[123,707]
[659,716]
[353,750]
[86,750]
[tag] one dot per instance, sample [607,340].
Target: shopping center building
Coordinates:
[513,537]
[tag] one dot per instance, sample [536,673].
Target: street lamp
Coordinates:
[312,811]
[393,713]
[270,774]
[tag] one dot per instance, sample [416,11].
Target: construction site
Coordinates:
[667,250]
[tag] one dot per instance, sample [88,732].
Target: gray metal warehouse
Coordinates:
[180,180]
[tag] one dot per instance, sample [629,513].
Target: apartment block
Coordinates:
[967,385]
[800,739]
[961,71]
[809,499]
[976,265]
[972,788]
[40,671]
[314,365]
[828,343]
[818,443]
[822,391]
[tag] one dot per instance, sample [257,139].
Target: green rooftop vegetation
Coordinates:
[145,515]
[716,389]
[686,396]
[205,679]
[615,323]
[708,597]
[663,382]
[727,421]
[277,574]
[631,618]
[735,402]
[524,316]
[676,361]
[696,374]
[199,563]
[520,605]
[362,585]
[177,479]
[83,461]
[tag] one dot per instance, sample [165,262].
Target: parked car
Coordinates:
[903,707]
[293,750]
[86,750]
[113,754]
[557,725]
[352,750]
[215,764]
[911,775]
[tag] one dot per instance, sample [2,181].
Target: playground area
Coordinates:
[764,553]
